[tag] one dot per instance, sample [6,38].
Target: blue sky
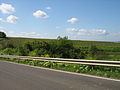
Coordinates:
[97,20]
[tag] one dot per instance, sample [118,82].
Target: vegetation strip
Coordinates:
[60,48]
[110,72]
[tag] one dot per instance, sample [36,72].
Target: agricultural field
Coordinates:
[77,43]
[88,49]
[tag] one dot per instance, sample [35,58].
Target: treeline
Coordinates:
[61,48]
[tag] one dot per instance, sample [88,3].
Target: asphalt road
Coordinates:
[20,77]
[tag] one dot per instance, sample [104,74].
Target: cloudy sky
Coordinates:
[97,20]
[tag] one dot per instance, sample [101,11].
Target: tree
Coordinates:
[2,35]
[36,45]
[58,37]
[53,49]
[64,46]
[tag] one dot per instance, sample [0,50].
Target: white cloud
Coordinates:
[11,33]
[92,34]
[79,34]
[7,8]
[48,8]
[57,27]
[85,32]
[24,34]
[40,14]
[12,19]
[28,34]
[113,36]
[72,30]
[1,20]
[72,20]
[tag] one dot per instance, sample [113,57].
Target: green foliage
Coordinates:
[62,48]
[6,45]
[38,52]
[8,51]
[77,53]
[42,51]
[77,43]
[2,35]
[33,54]
[21,51]
[53,49]
[92,51]
[36,45]
[45,55]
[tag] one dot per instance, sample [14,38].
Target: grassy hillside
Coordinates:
[105,50]
[21,41]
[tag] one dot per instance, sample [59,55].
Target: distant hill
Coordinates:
[16,41]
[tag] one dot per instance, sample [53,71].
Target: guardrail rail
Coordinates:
[74,61]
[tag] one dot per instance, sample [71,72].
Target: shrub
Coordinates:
[46,55]
[8,51]
[36,45]
[2,35]
[21,51]
[64,46]
[33,53]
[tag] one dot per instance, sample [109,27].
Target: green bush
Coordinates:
[36,45]
[21,51]
[63,47]
[2,35]
[8,51]
[45,55]
[33,54]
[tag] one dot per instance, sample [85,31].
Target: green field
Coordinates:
[105,50]
[77,43]
[20,41]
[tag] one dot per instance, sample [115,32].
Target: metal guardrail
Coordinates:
[73,61]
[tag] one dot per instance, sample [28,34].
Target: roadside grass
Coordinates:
[104,71]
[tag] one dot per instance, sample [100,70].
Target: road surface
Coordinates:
[21,77]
